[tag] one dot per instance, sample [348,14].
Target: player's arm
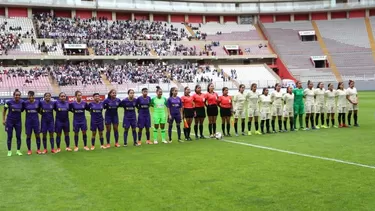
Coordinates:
[234,102]
[181,109]
[152,102]
[168,105]
[5,113]
[348,97]
[71,107]
[40,107]
[105,104]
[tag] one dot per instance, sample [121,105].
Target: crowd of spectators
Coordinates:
[100,28]
[83,73]
[8,42]
[30,74]
[119,48]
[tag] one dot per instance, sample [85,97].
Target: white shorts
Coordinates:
[240,114]
[277,111]
[253,111]
[309,109]
[342,109]
[265,114]
[330,109]
[319,109]
[288,112]
[352,107]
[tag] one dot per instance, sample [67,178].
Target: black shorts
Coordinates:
[225,112]
[200,112]
[189,112]
[212,110]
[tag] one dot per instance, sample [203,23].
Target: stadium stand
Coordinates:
[295,53]
[248,74]
[348,43]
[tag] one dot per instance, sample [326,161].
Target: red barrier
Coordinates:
[85,98]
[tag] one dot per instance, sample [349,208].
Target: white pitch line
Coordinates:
[297,153]
[300,154]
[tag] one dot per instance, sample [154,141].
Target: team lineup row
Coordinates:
[268,107]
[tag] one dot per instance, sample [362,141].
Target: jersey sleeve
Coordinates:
[165,101]
[152,103]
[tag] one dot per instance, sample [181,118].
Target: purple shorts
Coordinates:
[79,126]
[32,126]
[130,123]
[144,121]
[111,120]
[13,124]
[62,126]
[176,118]
[96,126]
[47,126]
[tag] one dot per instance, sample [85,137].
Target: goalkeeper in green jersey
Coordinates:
[299,107]
[159,116]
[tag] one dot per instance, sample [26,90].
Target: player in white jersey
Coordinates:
[309,95]
[239,101]
[330,96]
[253,108]
[341,104]
[277,107]
[288,108]
[265,110]
[352,96]
[319,105]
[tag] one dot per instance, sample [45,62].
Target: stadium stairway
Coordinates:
[55,86]
[226,75]
[326,52]
[370,36]
[190,30]
[153,52]
[107,83]
[91,51]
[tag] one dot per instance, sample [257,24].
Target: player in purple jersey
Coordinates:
[130,117]
[62,121]
[47,122]
[174,105]
[13,121]
[97,120]
[144,117]
[78,107]
[111,105]
[31,106]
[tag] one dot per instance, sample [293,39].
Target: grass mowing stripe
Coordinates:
[296,153]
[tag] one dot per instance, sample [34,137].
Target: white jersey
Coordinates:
[330,97]
[252,99]
[319,96]
[239,101]
[289,100]
[265,103]
[352,92]
[341,98]
[309,96]
[277,99]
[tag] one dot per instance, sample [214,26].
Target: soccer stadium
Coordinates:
[187,105]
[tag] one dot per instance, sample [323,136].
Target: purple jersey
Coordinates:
[31,109]
[129,108]
[78,110]
[96,111]
[46,109]
[143,105]
[62,111]
[111,106]
[14,110]
[174,104]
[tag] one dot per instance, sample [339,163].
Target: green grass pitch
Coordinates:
[204,174]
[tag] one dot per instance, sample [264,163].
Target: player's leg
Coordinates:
[350,114]
[170,126]
[134,131]
[115,132]
[9,130]
[189,122]
[37,138]
[93,136]
[356,116]
[273,121]
[163,121]
[108,129]
[268,118]
[201,122]
[126,131]
[84,136]
[178,121]
[28,128]
[157,120]
[66,130]
[76,129]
